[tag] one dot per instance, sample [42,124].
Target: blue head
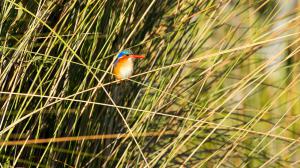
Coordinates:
[124,52]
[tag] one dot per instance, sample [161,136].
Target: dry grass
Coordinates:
[218,88]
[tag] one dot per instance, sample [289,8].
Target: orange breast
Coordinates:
[123,69]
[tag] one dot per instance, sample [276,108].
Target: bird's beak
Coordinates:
[136,56]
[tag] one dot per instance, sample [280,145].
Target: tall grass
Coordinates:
[212,91]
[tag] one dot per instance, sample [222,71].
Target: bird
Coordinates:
[123,66]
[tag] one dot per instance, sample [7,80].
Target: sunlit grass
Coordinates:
[211,92]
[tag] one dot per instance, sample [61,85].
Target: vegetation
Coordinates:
[218,87]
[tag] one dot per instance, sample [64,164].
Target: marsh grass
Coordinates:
[211,92]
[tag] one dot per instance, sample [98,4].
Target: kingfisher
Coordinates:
[123,66]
